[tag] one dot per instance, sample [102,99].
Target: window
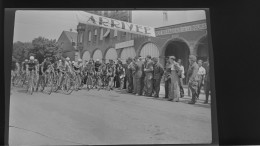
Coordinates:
[115,33]
[81,37]
[89,35]
[95,35]
[101,33]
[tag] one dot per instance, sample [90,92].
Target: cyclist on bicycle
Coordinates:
[43,67]
[31,67]
[23,69]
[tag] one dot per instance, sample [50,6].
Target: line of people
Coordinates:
[139,76]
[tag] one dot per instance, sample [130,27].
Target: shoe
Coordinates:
[206,102]
[170,99]
[156,96]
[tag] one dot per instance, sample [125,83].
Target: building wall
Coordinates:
[190,38]
[67,48]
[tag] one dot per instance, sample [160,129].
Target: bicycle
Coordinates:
[31,83]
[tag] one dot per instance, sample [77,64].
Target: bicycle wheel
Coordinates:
[69,85]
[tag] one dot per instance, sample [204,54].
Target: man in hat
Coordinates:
[193,78]
[148,81]
[157,76]
[167,80]
[139,67]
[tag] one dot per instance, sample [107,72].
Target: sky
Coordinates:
[50,24]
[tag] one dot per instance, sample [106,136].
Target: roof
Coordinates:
[71,35]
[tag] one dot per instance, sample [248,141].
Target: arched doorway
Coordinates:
[180,50]
[86,56]
[202,49]
[149,49]
[97,55]
[127,52]
[111,54]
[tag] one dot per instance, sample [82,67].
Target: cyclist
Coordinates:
[97,71]
[23,70]
[43,67]
[31,67]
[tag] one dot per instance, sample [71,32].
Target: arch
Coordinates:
[149,48]
[110,53]
[86,56]
[127,52]
[201,48]
[138,51]
[97,54]
[180,49]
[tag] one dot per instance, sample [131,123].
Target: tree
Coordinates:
[43,47]
[21,50]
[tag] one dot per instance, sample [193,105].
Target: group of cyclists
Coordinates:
[64,74]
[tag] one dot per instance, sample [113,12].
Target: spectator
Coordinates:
[201,76]
[167,80]
[174,92]
[193,78]
[207,81]
[181,76]
[148,81]
[157,76]
[129,75]
[138,75]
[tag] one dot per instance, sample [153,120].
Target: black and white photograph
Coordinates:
[111,77]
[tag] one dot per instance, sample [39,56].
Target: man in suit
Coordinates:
[129,75]
[193,78]
[157,76]
[138,75]
[148,81]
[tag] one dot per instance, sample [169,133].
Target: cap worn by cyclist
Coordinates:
[31,58]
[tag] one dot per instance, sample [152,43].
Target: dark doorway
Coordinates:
[202,50]
[181,51]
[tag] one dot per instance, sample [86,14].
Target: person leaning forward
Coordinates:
[193,78]
[157,76]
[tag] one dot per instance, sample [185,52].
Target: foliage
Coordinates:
[40,48]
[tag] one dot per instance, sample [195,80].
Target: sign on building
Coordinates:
[92,19]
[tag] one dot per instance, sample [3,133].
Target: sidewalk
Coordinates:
[186,98]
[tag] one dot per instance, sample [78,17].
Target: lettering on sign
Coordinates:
[196,27]
[91,19]
[124,44]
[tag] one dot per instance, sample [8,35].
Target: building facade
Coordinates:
[68,45]
[178,40]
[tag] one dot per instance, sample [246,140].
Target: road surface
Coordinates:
[105,117]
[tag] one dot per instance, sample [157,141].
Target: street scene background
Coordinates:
[114,114]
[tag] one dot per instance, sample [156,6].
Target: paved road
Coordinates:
[105,117]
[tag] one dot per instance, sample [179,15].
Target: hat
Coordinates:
[193,57]
[172,57]
[79,60]
[67,58]
[31,57]
[155,58]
